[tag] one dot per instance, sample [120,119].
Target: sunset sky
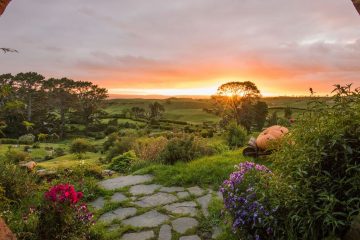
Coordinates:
[186,47]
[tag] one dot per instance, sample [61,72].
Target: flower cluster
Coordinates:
[83,214]
[242,201]
[63,193]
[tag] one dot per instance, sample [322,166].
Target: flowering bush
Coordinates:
[63,193]
[246,200]
[62,216]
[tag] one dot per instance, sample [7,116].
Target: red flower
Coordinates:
[63,193]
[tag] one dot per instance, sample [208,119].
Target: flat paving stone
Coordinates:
[144,189]
[216,232]
[172,189]
[219,196]
[165,233]
[118,197]
[149,219]
[156,200]
[183,195]
[182,225]
[124,181]
[186,208]
[192,237]
[119,214]
[204,202]
[197,191]
[98,203]
[139,236]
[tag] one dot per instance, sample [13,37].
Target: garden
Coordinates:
[134,172]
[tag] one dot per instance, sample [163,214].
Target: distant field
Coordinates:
[191,110]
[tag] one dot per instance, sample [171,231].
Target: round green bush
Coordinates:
[236,135]
[80,146]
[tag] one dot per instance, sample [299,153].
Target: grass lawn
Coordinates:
[70,160]
[206,171]
[35,153]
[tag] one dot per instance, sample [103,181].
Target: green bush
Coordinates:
[28,138]
[178,149]
[17,156]
[119,147]
[80,146]
[59,152]
[16,182]
[236,135]
[318,166]
[110,140]
[123,162]
[110,129]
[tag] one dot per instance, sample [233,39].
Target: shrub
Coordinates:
[59,152]
[178,149]
[80,146]
[110,129]
[236,135]
[208,133]
[244,200]
[149,149]
[62,216]
[17,156]
[123,162]
[28,138]
[120,146]
[16,182]
[319,164]
[36,145]
[96,135]
[110,140]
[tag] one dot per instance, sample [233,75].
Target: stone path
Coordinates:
[152,210]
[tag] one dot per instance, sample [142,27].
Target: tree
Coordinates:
[261,112]
[90,100]
[61,96]
[138,112]
[28,84]
[234,100]
[156,109]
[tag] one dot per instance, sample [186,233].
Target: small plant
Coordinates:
[123,162]
[236,135]
[110,129]
[59,152]
[178,149]
[16,156]
[28,138]
[62,216]
[80,146]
